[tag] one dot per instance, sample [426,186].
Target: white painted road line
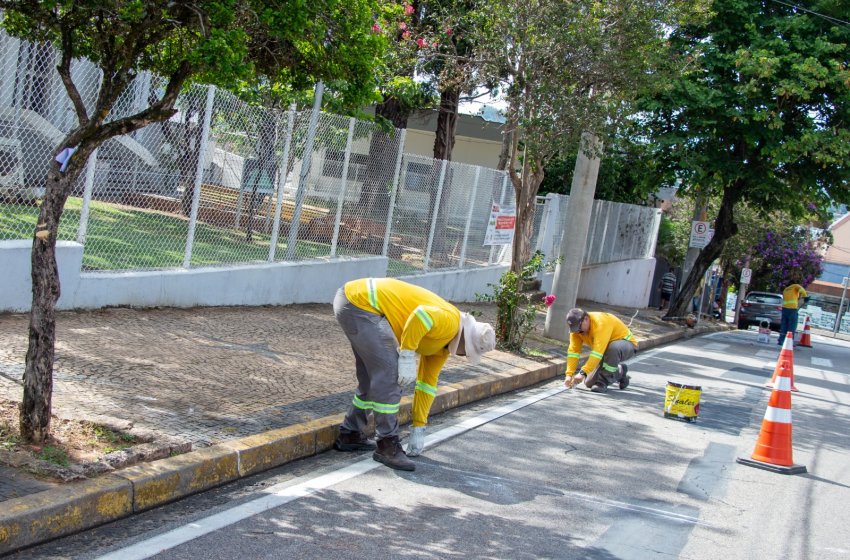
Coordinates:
[284,493]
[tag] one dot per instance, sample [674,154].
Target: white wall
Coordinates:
[459,285]
[622,283]
[247,284]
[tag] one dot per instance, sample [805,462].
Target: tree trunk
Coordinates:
[266,167]
[444,143]
[375,194]
[724,228]
[38,373]
[526,198]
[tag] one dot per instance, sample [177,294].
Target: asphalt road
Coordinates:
[550,473]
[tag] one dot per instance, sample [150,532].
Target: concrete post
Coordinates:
[568,272]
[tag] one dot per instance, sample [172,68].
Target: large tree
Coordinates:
[225,42]
[759,118]
[568,68]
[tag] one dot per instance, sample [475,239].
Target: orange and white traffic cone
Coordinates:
[806,339]
[785,355]
[773,450]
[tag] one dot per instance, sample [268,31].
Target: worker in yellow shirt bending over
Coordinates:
[390,324]
[610,341]
[793,298]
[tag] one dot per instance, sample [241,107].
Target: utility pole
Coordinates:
[568,272]
[844,282]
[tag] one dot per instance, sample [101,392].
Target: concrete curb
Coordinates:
[64,510]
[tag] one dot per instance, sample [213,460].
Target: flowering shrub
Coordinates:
[515,309]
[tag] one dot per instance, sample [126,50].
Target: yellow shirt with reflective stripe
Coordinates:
[421,320]
[604,328]
[791,296]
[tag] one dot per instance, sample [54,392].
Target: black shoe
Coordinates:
[392,455]
[353,441]
[624,376]
[599,388]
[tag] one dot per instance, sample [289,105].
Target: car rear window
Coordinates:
[769,299]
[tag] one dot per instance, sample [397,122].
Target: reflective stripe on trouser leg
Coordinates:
[423,396]
[374,346]
[617,351]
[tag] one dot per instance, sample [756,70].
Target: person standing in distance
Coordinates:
[610,341]
[793,298]
[390,324]
[667,287]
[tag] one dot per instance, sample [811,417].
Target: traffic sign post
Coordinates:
[701,234]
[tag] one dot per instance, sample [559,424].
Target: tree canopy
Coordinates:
[236,44]
[760,116]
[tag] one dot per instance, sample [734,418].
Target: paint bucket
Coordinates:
[682,401]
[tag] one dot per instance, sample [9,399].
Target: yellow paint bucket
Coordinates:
[682,401]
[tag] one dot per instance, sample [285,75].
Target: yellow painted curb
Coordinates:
[63,510]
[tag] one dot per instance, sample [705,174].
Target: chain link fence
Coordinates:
[225,182]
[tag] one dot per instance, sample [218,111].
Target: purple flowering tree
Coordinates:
[780,259]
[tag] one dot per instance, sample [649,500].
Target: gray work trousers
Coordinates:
[617,351]
[376,357]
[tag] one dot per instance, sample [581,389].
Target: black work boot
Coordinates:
[392,455]
[353,441]
[624,376]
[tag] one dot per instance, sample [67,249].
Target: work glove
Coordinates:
[406,367]
[417,441]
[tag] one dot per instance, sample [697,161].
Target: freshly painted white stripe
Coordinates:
[825,362]
[782,383]
[778,415]
[281,494]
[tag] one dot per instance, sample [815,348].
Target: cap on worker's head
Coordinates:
[574,318]
[478,338]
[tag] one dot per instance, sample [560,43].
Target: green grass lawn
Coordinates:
[121,238]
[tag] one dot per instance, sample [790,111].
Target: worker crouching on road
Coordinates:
[610,341]
[389,324]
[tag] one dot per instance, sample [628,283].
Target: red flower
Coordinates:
[405,35]
[402,26]
[549,300]
[376,28]
[408,9]
[449,31]
[421,42]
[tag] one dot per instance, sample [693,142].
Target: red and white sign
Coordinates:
[500,227]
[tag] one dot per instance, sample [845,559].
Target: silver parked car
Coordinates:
[758,306]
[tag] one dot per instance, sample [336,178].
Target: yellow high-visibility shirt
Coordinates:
[421,320]
[791,296]
[604,328]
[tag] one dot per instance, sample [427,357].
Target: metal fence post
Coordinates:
[469,217]
[294,225]
[343,184]
[199,176]
[87,190]
[282,174]
[434,216]
[391,209]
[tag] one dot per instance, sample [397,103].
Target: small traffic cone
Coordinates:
[785,355]
[773,450]
[806,339]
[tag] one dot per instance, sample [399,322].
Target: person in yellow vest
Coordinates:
[793,298]
[390,324]
[611,343]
